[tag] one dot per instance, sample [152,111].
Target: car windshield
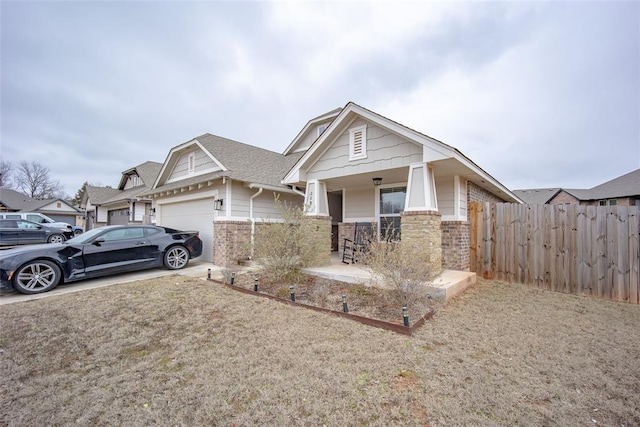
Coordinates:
[85,237]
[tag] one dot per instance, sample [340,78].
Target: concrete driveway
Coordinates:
[194,269]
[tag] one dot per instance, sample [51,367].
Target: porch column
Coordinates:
[421,189]
[316,204]
[321,234]
[424,226]
[315,199]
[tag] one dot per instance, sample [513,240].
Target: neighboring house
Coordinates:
[623,190]
[125,204]
[349,165]
[57,209]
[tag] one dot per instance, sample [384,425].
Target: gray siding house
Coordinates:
[346,166]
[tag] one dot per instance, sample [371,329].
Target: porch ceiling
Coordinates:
[442,169]
[390,176]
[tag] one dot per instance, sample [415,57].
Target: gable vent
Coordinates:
[358,143]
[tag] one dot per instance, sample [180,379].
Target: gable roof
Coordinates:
[238,161]
[147,171]
[441,150]
[627,185]
[315,121]
[537,196]
[16,201]
[99,195]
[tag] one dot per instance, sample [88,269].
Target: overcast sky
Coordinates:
[539,94]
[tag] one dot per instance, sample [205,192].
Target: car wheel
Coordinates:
[77,232]
[37,276]
[56,238]
[176,257]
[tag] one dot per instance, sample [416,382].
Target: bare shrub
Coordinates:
[407,269]
[282,248]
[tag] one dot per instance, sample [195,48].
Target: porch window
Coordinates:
[391,204]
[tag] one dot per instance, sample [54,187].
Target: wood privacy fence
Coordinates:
[583,250]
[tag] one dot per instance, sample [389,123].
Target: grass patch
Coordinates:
[182,351]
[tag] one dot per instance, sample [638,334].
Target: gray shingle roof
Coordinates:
[99,195]
[627,185]
[243,162]
[248,163]
[536,196]
[14,200]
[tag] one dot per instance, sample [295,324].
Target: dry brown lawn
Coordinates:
[183,351]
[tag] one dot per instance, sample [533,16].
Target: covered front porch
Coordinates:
[447,285]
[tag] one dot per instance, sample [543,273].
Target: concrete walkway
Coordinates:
[449,284]
[195,268]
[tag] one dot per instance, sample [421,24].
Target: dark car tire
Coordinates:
[77,232]
[37,276]
[176,257]
[56,238]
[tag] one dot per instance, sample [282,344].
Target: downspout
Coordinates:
[253,221]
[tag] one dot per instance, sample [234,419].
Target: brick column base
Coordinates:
[321,234]
[424,226]
[456,253]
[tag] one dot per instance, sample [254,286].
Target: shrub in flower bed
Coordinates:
[362,300]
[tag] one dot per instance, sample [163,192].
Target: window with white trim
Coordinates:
[322,128]
[191,160]
[358,143]
[392,202]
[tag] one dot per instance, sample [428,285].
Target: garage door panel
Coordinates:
[192,215]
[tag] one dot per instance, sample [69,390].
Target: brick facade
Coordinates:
[563,198]
[231,242]
[455,245]
[476,193]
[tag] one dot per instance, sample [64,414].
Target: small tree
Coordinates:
[282,248]
[406,267]
[5,174]
[33,179]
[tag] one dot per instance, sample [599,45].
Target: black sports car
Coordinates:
[98,252]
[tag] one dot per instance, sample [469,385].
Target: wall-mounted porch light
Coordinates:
[377,181]
[217,204]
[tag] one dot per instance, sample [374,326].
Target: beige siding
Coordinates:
[203,163]
[463,198]
[359,204]
[385,150]
[263,205]
[446,196]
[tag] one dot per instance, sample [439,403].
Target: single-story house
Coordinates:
[57,209]
[623,190]
[347,166]
[124,204]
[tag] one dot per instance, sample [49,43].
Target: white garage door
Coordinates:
[192,215]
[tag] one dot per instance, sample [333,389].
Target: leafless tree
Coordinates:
[34,180]
[5,174]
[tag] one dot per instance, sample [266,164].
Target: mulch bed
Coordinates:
[366,304]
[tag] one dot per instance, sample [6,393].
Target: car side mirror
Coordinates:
[99,241]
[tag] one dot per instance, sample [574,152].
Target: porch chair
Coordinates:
[352,249]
